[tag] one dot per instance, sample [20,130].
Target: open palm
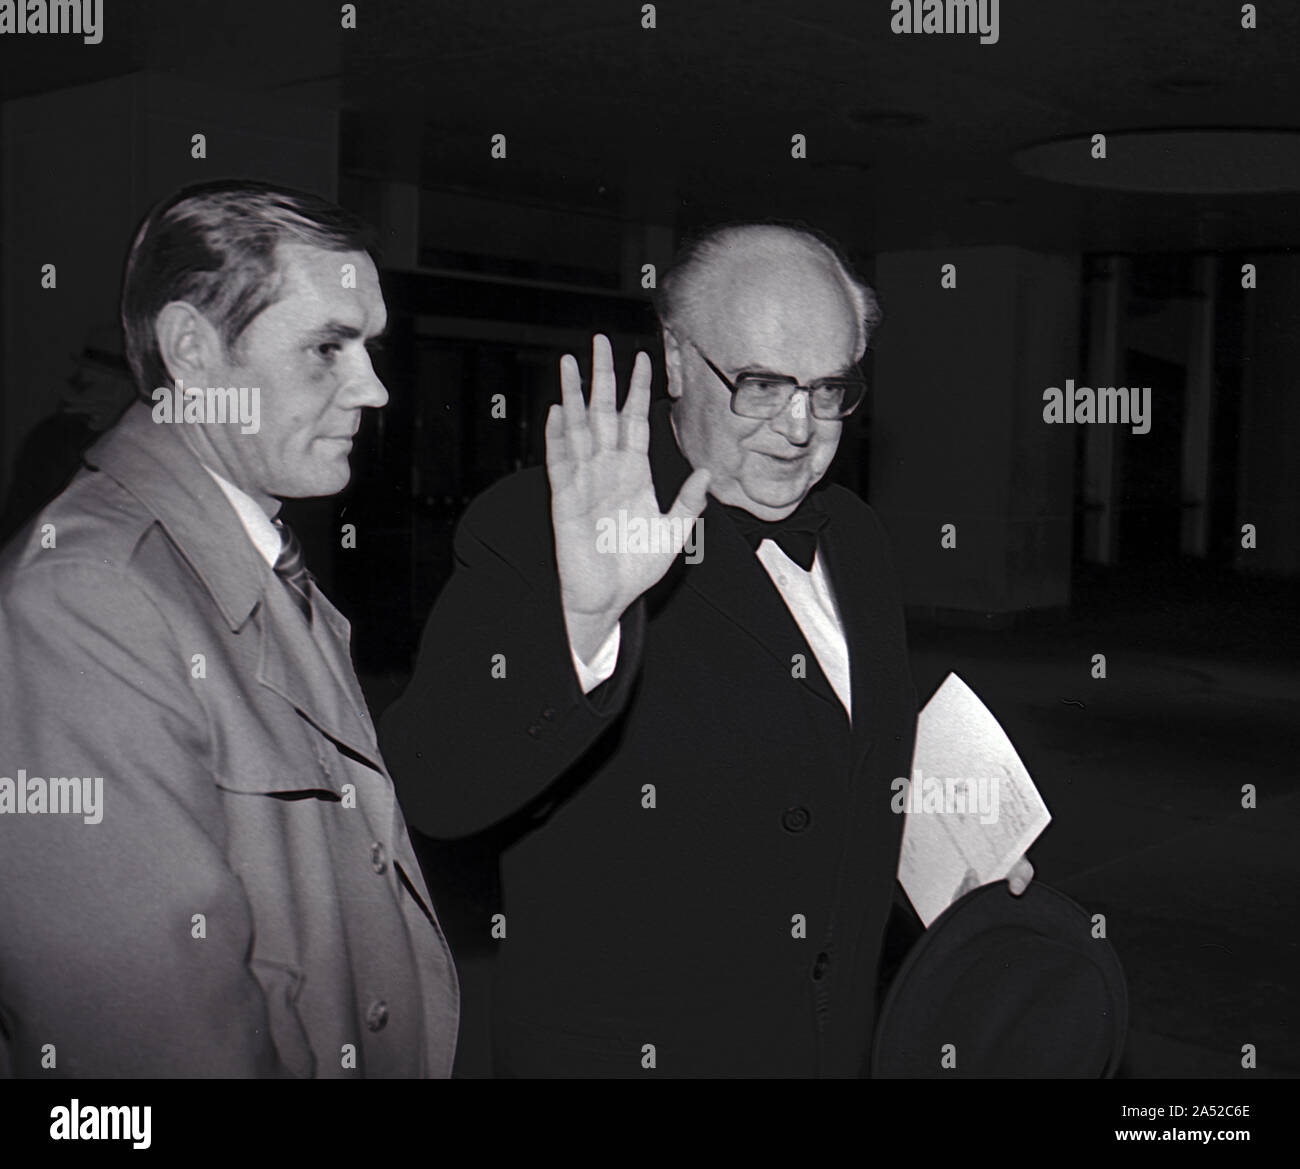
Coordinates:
[597,459]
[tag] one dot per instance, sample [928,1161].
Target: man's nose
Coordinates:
[794,423]
[365,389]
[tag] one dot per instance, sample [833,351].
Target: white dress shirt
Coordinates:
[808,596]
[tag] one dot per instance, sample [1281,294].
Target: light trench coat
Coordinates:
[249,903]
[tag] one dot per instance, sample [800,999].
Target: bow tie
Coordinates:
[796,535]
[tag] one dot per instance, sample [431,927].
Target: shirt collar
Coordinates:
[263,533]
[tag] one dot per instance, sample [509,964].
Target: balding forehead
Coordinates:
[769,283]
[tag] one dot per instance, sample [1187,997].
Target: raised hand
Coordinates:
[598,463]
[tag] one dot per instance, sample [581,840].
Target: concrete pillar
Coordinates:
[1268,485]
[1198,415]
[1108,292]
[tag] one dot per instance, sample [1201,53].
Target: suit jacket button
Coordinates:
[377,1016]
[819,966]
[534,731]
[795,819]
[378,857]
[548,714]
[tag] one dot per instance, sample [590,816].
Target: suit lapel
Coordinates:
[729,576]
[733,580]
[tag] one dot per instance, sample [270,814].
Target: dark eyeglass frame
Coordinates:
[856,384]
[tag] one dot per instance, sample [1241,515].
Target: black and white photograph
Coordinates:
[721,540]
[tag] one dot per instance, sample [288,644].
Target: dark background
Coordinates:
[621,140]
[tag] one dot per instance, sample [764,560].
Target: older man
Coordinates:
[692,752]
[203,868]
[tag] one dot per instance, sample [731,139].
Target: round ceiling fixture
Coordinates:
[1172,162]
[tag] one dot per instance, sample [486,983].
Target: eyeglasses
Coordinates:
[766,395]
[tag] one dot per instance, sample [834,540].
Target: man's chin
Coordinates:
[316,486]
[772,502]
[782,490]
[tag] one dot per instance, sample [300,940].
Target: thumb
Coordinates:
[692,498]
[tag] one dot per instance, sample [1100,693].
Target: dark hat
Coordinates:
[1017,985]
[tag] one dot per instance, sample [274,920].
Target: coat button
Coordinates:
[377,1016]
[548,714]
[534,731]
[378,857]
[795,819]
[819,966]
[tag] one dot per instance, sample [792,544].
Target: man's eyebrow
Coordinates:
[338,331]
[849,370]
[334,331]
[760,371]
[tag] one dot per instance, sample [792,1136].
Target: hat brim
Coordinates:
[977,938]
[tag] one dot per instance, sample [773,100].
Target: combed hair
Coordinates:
[213,245]
[679,288]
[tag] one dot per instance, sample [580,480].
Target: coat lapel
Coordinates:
[309,667]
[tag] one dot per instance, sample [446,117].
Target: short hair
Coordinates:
[678,291]
[213,245]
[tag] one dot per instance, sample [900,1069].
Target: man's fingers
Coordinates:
[1022,872]
[575,409]
[686,508]
[634,419]
[571,384]
[692,498]
[558,468]
[603,415]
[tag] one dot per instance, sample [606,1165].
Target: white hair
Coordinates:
[680,289]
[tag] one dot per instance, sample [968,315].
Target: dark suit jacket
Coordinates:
[672,925]
[144,640]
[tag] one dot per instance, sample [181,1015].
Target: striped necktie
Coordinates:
[291,568]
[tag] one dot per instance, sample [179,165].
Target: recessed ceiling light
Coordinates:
[1172,162]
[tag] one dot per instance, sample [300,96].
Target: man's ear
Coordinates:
[673,362]
[187,342]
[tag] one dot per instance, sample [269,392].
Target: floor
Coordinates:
[1143,774]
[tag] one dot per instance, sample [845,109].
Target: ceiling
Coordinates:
[910,138]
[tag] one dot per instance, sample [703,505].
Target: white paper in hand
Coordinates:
[972,809]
